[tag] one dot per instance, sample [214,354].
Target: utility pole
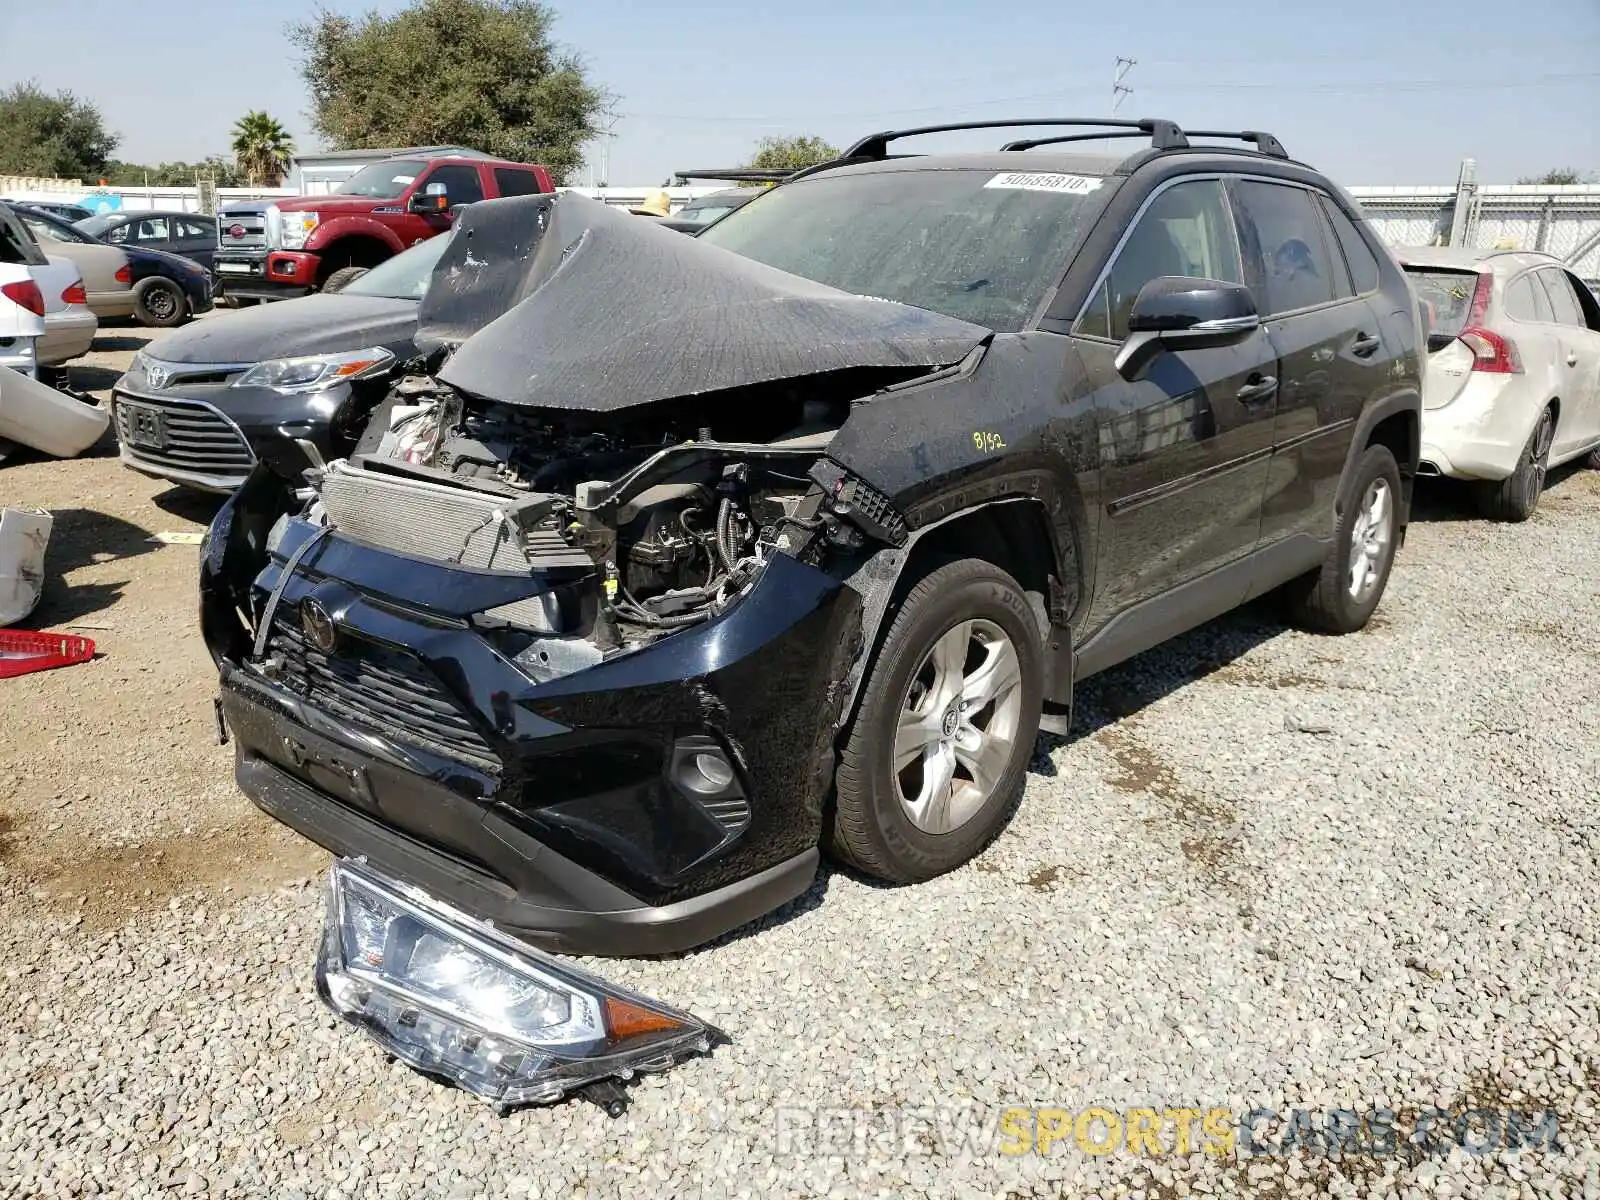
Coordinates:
[1119,90]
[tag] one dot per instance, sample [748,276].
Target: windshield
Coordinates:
[1446,297]
[96,226]
[704,214]
[403,277]
[383,181]
[975,244]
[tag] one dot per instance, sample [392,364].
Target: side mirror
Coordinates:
[432,200]
[1176,312]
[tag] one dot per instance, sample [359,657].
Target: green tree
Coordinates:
[173,174]
[54,135]
[262,148]
[1558,177]
[792,153]
[484,74]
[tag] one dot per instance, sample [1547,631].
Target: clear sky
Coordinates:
[1371,91]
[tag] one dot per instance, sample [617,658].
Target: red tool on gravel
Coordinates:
[22,652]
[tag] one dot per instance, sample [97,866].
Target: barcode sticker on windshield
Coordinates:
[1034,181]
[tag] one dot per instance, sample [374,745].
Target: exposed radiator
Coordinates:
[446,524]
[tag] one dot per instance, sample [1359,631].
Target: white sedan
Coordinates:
[1513,381]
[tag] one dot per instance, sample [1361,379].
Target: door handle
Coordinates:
[1364,345]
[1258,388]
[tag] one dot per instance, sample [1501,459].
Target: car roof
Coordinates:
[138,214]
[1471,258]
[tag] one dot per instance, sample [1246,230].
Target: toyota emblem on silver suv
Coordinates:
[158,376]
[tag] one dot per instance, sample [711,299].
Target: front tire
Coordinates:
[940,744]
[342,278]
[160,304]
[1342,594]
[1514,498]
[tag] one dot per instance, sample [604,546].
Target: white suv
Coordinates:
[1513,383]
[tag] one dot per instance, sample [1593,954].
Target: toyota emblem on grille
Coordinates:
[236,231]
[318,625]
[158,377]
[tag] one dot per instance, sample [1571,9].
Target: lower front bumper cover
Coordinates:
[599,918]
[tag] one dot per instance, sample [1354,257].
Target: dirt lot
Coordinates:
[113,791]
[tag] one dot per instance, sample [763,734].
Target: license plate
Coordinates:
[228,268]
[142,425]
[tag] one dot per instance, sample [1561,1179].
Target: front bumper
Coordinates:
[265,274]
[546,808]
[212,435]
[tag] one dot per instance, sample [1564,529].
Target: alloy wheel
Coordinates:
[958,726]
[1370,535]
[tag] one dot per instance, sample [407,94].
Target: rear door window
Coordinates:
[514,182]
[1279,225]
[1186,230]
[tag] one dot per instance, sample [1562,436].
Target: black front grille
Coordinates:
[193,437]
[386,691]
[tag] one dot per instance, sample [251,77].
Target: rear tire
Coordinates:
[343,276]
[1342,594]
[1515,497]
[953,699]
[161,304]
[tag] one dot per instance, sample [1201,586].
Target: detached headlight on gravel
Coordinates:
[455,997]
[315,371]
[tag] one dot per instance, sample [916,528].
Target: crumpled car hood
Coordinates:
[563,302]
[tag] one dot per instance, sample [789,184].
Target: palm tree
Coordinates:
[262,148]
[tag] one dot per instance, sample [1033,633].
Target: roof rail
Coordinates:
[1263,142]
[738,174]
[1164,135]
[1030,143]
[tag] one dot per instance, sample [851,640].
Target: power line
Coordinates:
[1331,89]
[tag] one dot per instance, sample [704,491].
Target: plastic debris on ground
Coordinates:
[22,653]
[24,533]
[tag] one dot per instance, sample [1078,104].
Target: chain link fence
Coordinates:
[1562,221]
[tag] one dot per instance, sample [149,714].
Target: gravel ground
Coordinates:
[1268,870]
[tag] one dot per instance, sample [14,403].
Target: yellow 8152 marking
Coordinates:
[987,441]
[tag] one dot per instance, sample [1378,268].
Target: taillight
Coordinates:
[26,293]
[75,294]
[124,274]
[1491,352]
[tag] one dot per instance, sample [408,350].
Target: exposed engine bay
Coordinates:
[646,522]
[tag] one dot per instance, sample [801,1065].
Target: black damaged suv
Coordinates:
[691,557]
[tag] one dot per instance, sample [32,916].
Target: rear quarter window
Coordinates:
[1357,254]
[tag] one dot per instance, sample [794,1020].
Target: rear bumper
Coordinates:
[67,335]
[265,274]
[1481,432]
[550,808]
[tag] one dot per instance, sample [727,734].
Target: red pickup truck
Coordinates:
[293,247]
